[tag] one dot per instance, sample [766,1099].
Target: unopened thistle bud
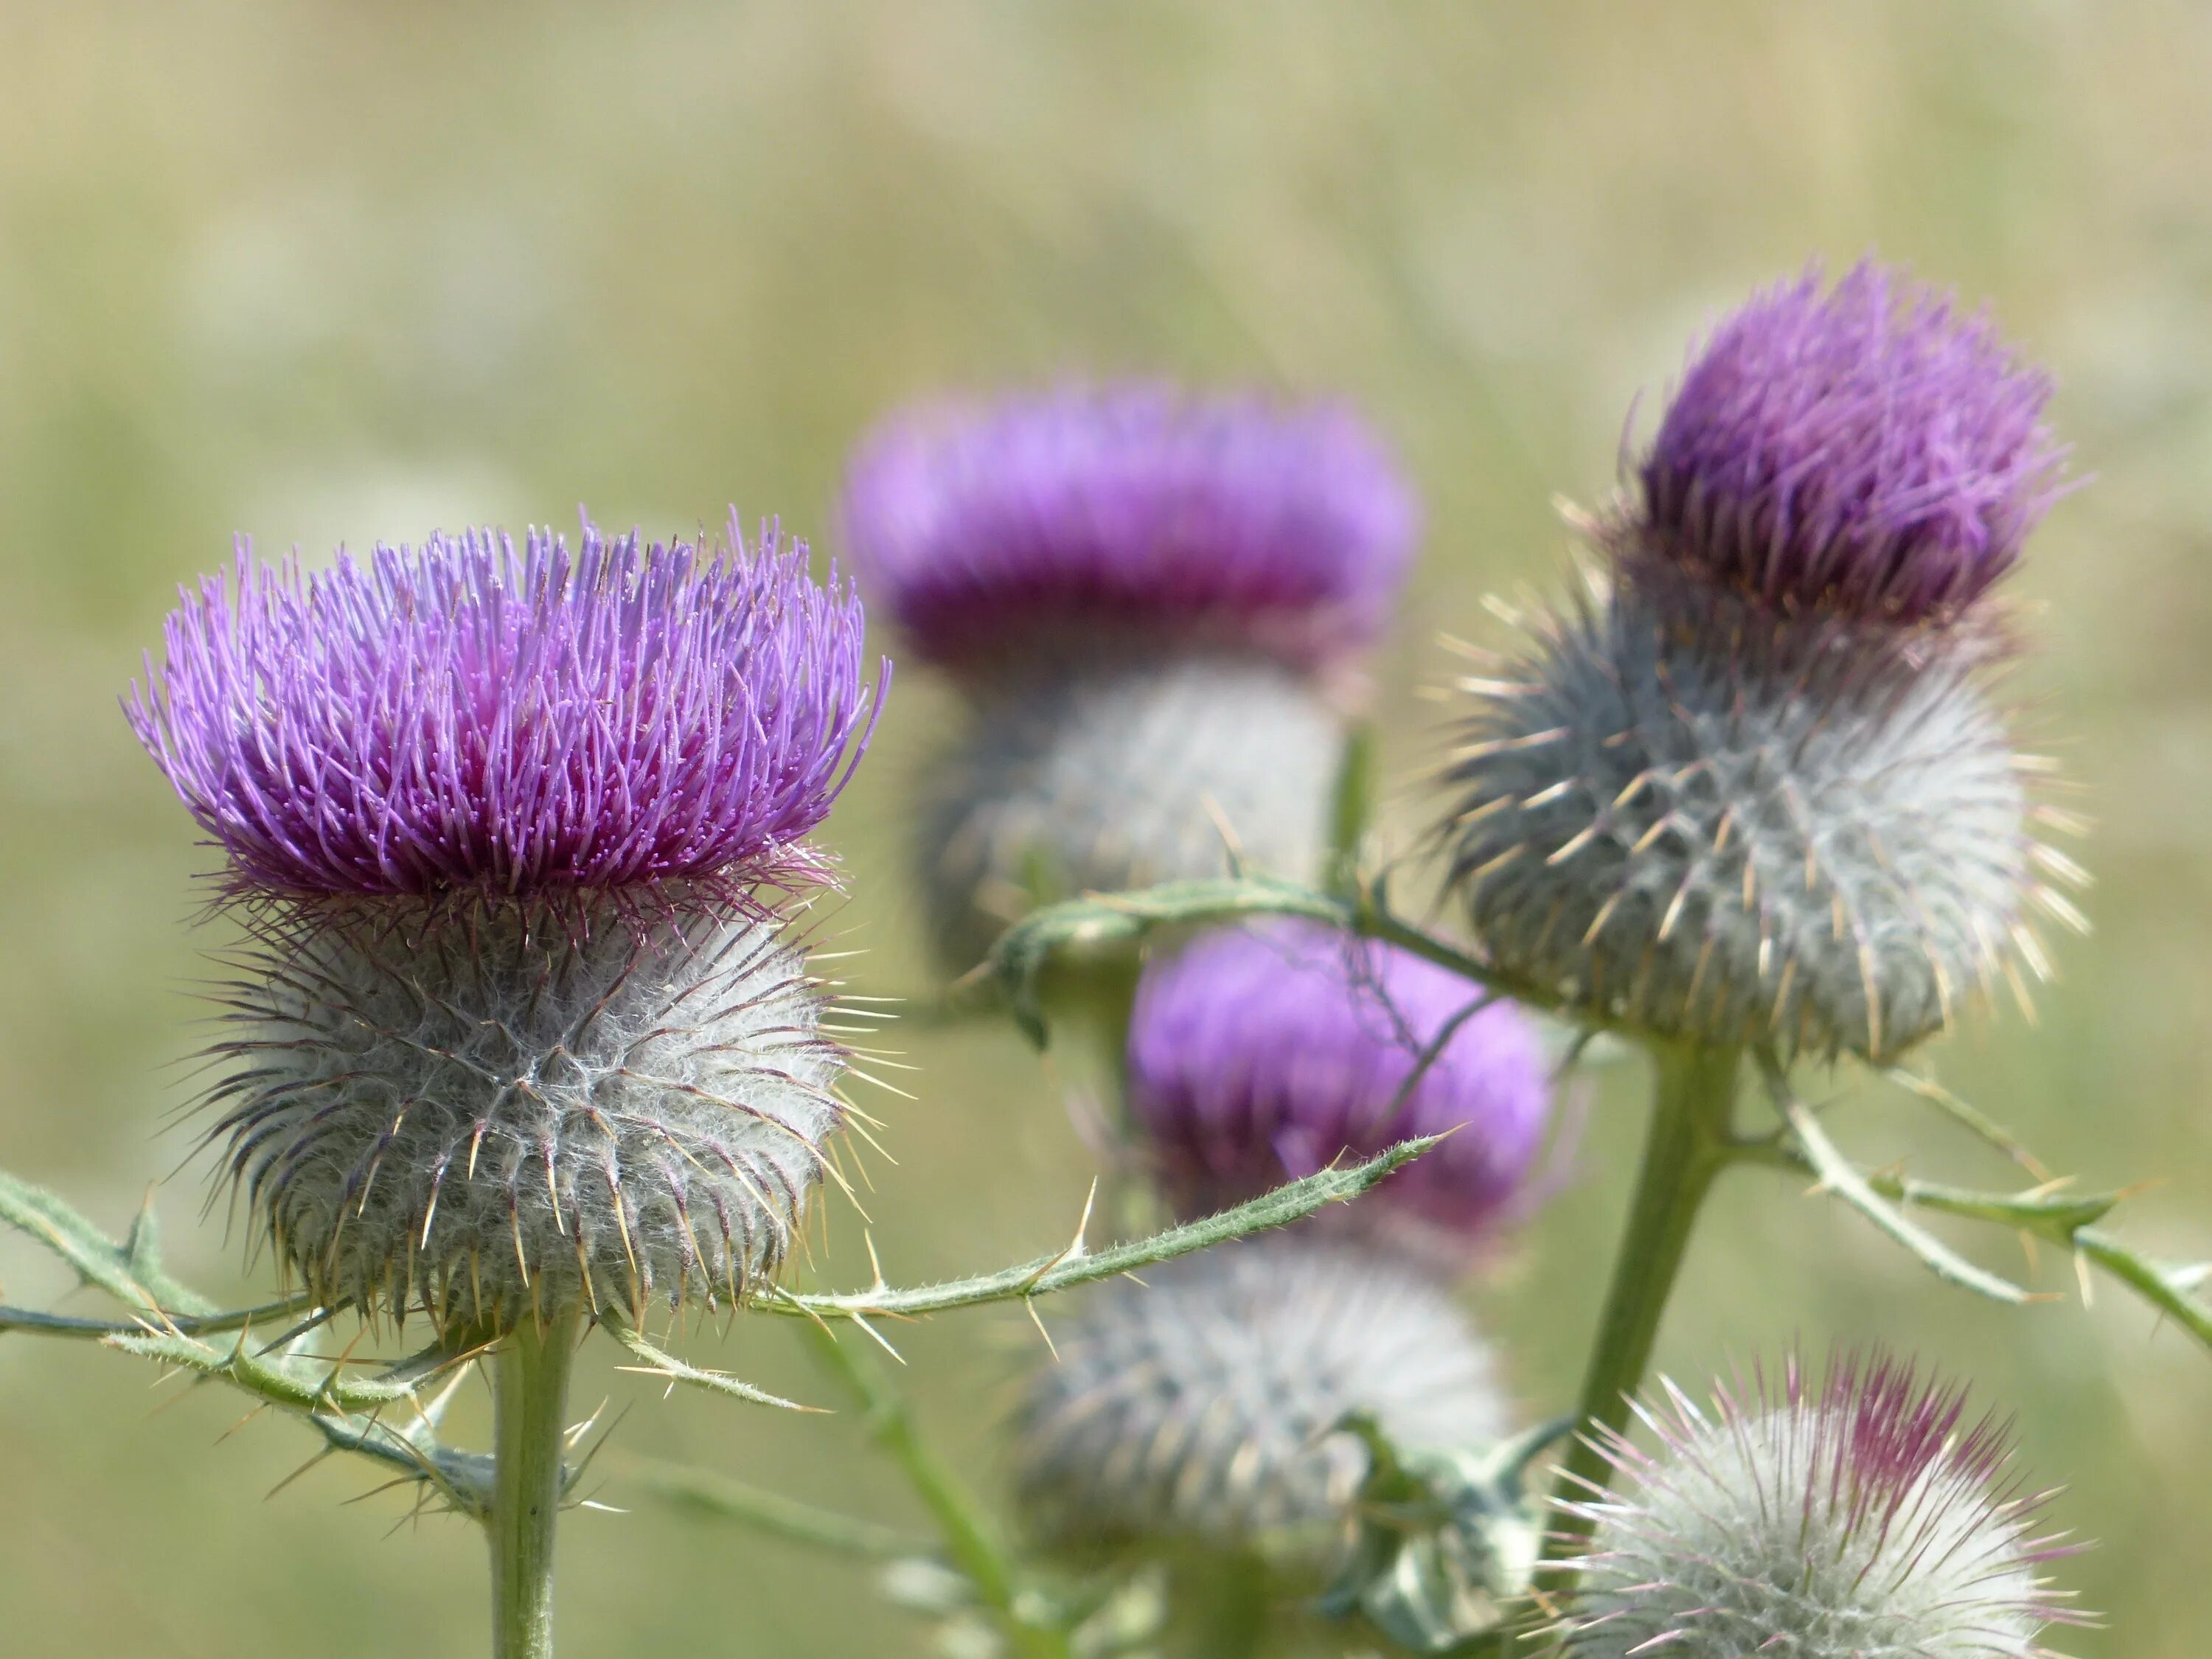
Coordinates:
[1151,601]
[1202,1405]
[1752,787]
[519,1030]
[1864,1517]
[1258,1055]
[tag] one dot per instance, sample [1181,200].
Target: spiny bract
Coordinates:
[1865,1519]
[1198,1405]
[494,1109]
[1688,814]
[1103,770]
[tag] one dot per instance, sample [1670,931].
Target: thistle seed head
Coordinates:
[1260,1055]
[1865,451]
[494,1109]
[1107,770]
[1698,817]
[1134,507]
[1867,1518]
[1202,1405]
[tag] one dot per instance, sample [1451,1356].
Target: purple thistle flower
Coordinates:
[1866,1515]
[1258,1055]
[1867,450]
[515,1033]
[470,716]
[1283,526]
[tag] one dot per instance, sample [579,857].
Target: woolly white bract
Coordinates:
[1865,1519]
[1103,770]
[1198,1405]
[1698,817]
[492,1110]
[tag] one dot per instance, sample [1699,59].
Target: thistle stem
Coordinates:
[971,1542]
[530,1396]
[1690,1141]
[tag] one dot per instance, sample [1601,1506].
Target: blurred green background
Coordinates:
[325,272]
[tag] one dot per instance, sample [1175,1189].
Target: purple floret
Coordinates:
[1136,506]
[1258,1055]
[1869,451]
[468,715]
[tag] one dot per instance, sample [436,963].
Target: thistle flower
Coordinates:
[1863,1519]
[1203,1405]
[1865,451]
[1258,1055]
[1751,786]
[1151,602]
[518,1028]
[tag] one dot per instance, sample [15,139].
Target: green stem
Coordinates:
[1230,1601]
[969,1540]
[530,1397]
[1690,1141]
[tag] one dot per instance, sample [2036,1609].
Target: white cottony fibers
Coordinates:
[1865,1521]
[494,1109]
[1698,817]
[1198,1405]
[1100,771]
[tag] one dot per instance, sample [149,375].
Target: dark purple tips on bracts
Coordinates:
[1258,1055]
[471,716]
[1867,451]
[1286,524]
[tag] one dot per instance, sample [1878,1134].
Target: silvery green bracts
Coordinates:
[1863,1518]
[1200,1407]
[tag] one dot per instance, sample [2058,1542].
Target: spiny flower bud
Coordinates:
[1260,1055]
[1865,451]
[1151,600]
[1859,1520]
[1201,1405]
[518,1031]
[1768,799]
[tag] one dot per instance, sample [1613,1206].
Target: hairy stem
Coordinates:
[971,1542]
[1690,1141]
[530,1396]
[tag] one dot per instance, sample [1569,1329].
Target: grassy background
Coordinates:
[331,271]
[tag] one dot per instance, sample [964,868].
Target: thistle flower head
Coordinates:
[1865,451]
[1258,1055]
[1204,1404]
[1138,507]
[1866,1518]
[515,1031]
[468,715]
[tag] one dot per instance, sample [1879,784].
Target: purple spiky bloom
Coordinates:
[1136,506]
[1866,1518]
[519,1030]
[1867,450]
[470,715]
[1260,1055]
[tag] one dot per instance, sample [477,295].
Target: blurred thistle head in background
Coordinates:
[519,1029]
[1750,786]
[1205,1404]
[1862,1518]
[1155,602]
[1258,1055]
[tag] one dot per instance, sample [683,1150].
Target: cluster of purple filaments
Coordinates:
[1137,505]
[1258,1055]
[1865,451]
[471,716]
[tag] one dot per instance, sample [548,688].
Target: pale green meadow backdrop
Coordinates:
[329,273]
